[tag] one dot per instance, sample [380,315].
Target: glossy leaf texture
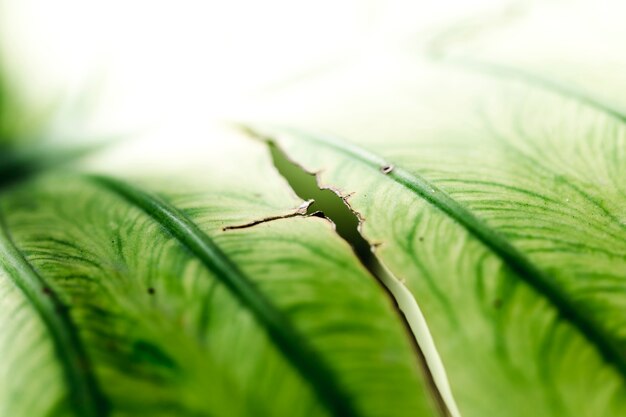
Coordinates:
[184,277]
[499,202]
[123,295]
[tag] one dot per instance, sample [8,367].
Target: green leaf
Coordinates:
[486,277]
[500,205]
[137,301]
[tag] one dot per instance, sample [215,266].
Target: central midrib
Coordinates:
[493,240]
[288,340]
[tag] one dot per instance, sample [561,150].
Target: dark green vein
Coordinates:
[286,337]
[84,394]
[543,283]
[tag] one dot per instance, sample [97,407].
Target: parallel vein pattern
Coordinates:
[86,397]
[278,327]
[516,260]
[346,224]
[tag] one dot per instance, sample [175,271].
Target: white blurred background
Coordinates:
[120,65]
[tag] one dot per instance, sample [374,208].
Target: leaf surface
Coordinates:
[501,214]
[175,315]
[184,277]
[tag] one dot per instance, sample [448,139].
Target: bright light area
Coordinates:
[140,62]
